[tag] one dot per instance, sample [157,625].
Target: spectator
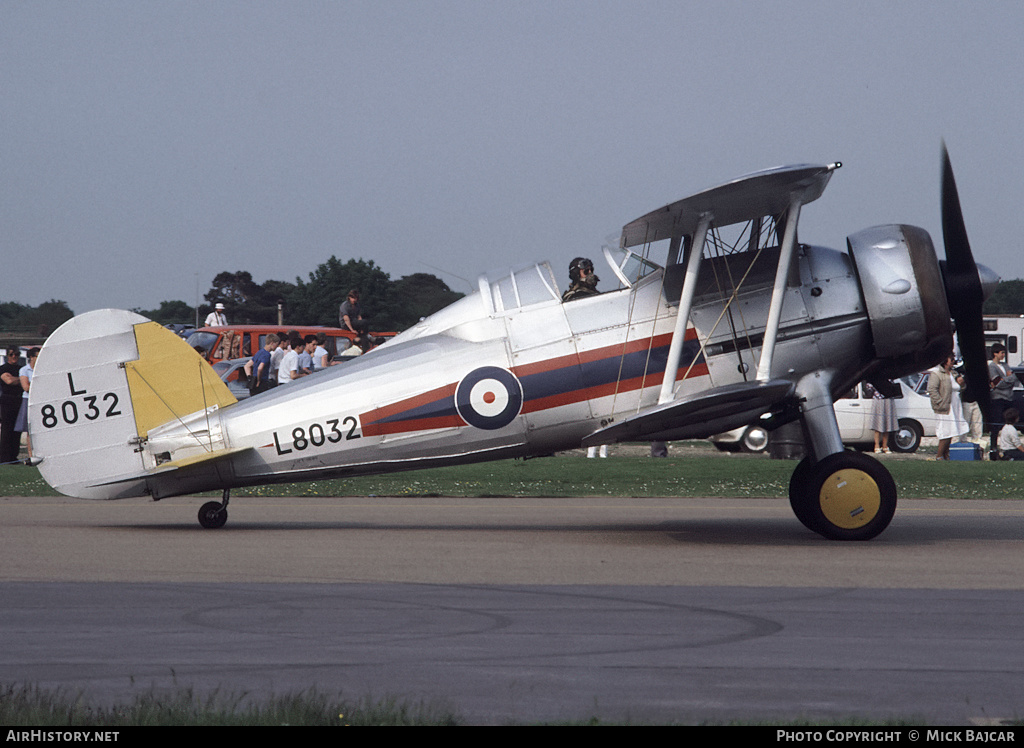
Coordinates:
[217,318]
[11,394]
[1009,440]
[350,314]
[259,380]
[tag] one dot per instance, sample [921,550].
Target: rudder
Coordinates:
[103,380]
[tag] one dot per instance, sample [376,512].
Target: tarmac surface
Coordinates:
[523,610]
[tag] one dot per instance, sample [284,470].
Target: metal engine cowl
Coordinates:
[904,295]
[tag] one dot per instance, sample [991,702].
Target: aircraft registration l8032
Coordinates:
[738,320]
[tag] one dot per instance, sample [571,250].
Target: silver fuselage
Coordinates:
[511,371]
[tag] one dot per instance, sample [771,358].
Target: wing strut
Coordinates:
[675,350]
[771,328]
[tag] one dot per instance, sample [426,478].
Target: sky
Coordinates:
[146,147]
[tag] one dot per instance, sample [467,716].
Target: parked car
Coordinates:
[181,330]
[853,413]
[232,372]
[242,341]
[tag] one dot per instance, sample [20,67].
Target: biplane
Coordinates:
[740,321]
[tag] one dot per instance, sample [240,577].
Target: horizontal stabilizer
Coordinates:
[764,193]
[699,415]
[175,465]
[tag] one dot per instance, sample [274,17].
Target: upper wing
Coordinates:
[764,193]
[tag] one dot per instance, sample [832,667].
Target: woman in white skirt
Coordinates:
[944,392]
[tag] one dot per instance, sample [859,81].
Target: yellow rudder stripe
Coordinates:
[170,380]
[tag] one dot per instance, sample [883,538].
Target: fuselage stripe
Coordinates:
[551,383]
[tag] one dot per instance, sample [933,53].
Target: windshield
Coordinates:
[628,266]
[204,340]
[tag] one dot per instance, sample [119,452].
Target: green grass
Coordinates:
[34,707]
[699,472]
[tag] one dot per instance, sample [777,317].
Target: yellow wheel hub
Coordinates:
[849,498]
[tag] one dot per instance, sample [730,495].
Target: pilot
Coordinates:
[582,280]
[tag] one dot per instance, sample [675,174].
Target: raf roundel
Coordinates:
[489,398]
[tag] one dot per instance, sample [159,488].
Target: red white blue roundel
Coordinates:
[489,398]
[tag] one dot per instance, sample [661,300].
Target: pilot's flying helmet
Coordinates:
[578,264]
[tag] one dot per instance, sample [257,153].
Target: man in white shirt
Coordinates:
[277,356]
[289,370]
[217,318]
[1009,440]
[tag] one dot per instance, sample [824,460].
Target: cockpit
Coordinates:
[536,283]
[525,287]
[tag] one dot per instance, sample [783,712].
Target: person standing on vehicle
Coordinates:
[217,318]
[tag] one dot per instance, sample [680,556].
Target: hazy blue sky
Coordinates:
[145,142]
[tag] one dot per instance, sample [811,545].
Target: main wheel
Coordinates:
[797,489]
[907,438]
[213,515]
[846,496]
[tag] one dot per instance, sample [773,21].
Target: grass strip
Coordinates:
[571,475]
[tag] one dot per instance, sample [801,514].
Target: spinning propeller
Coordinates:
[967,286]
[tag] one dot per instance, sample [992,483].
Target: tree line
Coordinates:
[388,304]
[32,324]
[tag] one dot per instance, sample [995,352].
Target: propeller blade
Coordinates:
[964,291]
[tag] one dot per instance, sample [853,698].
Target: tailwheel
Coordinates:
[214,514]
[846,496]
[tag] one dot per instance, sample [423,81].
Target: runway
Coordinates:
[519,610]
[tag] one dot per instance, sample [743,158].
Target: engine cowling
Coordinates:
[905,297]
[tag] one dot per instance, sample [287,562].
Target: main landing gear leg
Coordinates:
[214,514]
[838,494]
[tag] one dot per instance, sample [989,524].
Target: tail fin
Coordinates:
[102,382]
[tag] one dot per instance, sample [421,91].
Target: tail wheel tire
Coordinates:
[213,515]
[846,496]
[907,437]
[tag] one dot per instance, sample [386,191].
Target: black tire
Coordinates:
[907,438]
[754,440]
[797,485]
[846,496]
[213,515]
